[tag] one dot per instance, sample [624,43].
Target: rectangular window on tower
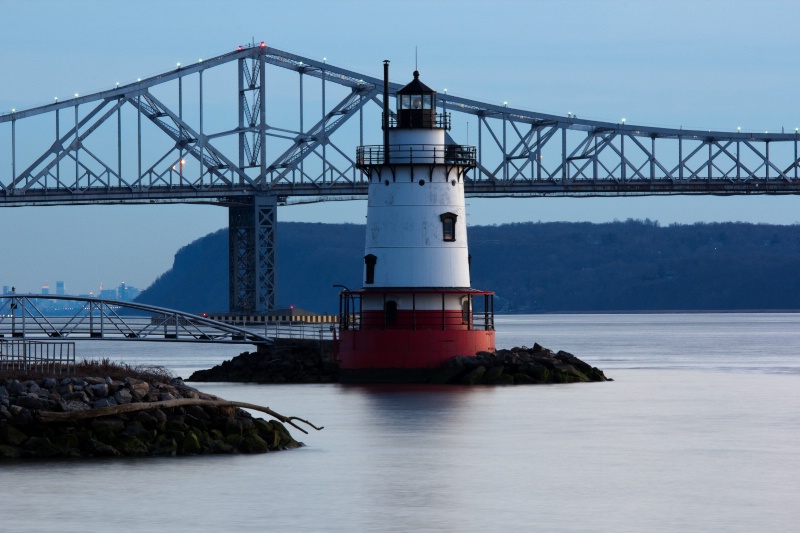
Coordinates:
[448,226]
[369,261]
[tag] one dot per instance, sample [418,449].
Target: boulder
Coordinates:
[254,444]
[474,376]
[123,396]
[11,435]
[493,374]
[99,390]
[102,402]
[31,386]
[130,445]
[94,447]
[137,388]
[33,401]
[190,444]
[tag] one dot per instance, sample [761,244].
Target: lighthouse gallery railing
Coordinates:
[353,317]
[417,154]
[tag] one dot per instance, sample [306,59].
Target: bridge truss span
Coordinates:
[547,155]
[251,122]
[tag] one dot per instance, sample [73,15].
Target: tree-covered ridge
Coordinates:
[532,267]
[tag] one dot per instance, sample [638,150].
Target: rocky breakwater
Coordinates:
[517,366]
[287,361]
[304,362]
[94,416]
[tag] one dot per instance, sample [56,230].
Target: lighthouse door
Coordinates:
[466,310]
[390,312]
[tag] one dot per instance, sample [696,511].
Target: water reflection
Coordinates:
[413,429]
[408,405]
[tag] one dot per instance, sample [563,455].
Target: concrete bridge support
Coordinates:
[251,241]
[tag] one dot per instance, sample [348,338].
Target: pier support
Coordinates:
[251,253]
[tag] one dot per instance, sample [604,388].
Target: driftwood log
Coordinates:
[70,416]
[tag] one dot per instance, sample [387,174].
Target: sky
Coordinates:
[701,64]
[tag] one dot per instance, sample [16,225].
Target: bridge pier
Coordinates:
[251,252]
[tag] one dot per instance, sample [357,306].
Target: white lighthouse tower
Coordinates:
[416,308]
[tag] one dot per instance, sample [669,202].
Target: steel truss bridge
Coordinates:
[36,317]
[258,127]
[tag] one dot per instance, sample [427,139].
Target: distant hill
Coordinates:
[532,267]
[311,259]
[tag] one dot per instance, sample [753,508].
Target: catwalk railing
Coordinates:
[165,139]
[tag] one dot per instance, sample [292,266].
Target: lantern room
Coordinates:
[416,105]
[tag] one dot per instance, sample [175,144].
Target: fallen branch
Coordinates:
[70,416]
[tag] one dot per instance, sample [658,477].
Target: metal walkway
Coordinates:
[38,317]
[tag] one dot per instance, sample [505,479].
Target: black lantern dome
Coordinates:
[416,105]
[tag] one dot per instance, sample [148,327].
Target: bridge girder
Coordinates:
[183,159]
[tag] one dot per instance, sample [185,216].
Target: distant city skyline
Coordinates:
[122,291]
[706,65]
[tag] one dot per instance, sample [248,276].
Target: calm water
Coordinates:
[698,432]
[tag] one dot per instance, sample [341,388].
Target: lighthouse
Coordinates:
[416,308]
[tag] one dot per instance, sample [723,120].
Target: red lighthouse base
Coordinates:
[403,355]
[412,345]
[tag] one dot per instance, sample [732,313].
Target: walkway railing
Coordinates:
[300,331]
[54,357]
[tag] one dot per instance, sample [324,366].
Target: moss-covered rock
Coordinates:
[474,376]
[254,444]
[130,446]
[190,444]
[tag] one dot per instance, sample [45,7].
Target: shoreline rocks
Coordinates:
[303,361]
[518,366]
[288,361]
[189,430]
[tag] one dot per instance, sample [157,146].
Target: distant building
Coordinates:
[6,289]
[107,294]
[45,289]
[126,293]
[60,288]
